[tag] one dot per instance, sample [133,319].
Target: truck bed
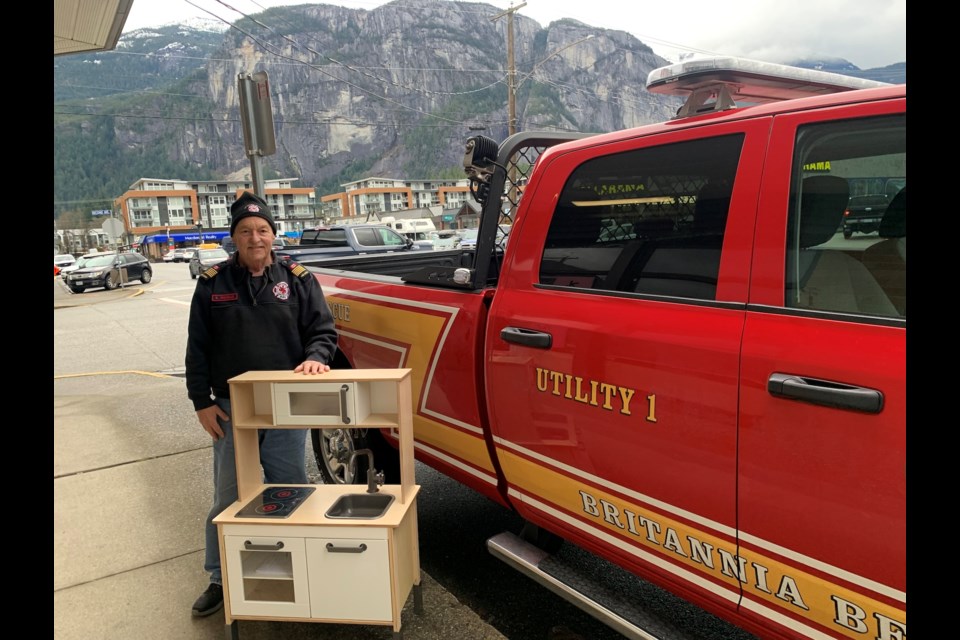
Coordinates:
[417,267]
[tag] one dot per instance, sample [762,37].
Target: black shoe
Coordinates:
[210,601]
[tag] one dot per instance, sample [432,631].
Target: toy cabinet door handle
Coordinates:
[332,548]
[262,547]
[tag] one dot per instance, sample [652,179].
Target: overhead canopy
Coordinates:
[88,25]
[163,238]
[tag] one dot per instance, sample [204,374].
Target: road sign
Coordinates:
[256,116]
[113,228]
[96,213]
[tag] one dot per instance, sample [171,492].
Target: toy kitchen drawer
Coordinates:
[320,403]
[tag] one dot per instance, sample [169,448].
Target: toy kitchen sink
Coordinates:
[320,553]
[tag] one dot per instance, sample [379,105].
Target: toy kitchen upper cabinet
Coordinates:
[318,404]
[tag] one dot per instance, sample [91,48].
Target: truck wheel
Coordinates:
[332,449]
[847,233]
[540,538]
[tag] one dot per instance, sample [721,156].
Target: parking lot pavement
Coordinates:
[63,297]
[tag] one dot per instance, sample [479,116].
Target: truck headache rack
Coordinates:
[719,83]
[498,175]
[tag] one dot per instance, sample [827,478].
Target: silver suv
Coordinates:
[203,259]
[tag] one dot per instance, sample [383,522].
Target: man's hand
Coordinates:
[208,420]
[311,367]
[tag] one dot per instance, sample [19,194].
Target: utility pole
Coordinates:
[511,96]
[511,67]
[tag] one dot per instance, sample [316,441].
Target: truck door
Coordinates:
[613,350]
[822,466]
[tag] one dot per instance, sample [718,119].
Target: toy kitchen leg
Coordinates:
[231,632]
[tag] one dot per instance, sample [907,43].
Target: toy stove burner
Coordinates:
[275,502]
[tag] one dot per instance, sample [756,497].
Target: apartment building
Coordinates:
[362,198]
[161,213]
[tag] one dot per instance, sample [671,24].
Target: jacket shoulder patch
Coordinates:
[298,270]
[211,272]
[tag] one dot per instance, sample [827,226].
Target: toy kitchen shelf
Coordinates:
[284,558]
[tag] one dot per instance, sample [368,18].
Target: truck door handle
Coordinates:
[823,392]
[527,337]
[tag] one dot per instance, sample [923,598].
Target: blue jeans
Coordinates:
[282,456]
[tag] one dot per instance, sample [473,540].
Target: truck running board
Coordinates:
[606,606]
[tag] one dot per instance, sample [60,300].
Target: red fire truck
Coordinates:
[677,362]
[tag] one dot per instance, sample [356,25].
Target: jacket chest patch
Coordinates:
[281,291]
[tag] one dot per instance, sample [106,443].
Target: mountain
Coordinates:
[144,60]
[894,73]
[390,92]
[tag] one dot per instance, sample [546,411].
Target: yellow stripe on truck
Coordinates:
[419,333]
[788,587]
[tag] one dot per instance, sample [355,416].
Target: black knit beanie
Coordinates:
[249,205]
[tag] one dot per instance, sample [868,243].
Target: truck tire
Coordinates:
[332,449]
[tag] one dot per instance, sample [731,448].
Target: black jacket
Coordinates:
[234,329]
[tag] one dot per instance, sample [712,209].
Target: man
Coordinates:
[251,312]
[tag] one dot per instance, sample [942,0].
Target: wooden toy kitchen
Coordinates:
[320,553]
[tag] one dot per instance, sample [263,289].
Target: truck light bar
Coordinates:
[728,80]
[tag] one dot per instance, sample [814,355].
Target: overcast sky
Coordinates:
[868,33]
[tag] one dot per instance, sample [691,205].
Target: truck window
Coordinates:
[645,221]
[367,237]
[390,237]
[328,238]
[838,166]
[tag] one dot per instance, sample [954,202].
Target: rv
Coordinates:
[417,229]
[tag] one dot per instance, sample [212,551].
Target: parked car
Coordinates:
[204,259]
[468,238]
[62,260]
[863,214]
[320,243]
[80,262]
[104,270]
[170,256]
[178,254]
[444,239]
